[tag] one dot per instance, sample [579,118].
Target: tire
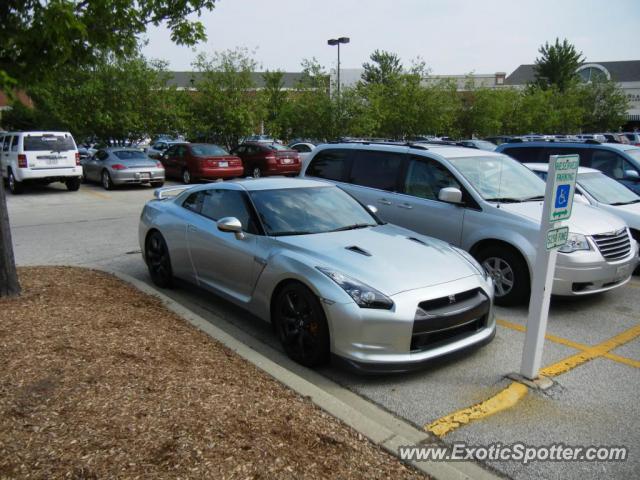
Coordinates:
[186,176]
[301,325]
[15,187]
[158,260]
[106,181]
[73,184]
[509,272]
[256,172]
[157,184]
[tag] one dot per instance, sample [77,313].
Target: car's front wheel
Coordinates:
[301,325]
[509,272]
[186,177]
[158,260]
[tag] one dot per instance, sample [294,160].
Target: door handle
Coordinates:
[406,205]
[384,201]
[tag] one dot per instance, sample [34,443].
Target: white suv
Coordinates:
[484,202]
[39,157]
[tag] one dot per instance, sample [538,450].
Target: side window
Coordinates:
[609,163]
[180,151]
[14,143]
[7,142]
[376,169]
[584,154]
[169,152]
[330,164]
[425,178]
[194,202]
[102,155]
[526,154]
[241,149]
[301,148]
[218,204]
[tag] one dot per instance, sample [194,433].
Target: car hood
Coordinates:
[383,257]
[629,213]
[584,219]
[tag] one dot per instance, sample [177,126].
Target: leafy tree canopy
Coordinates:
[384,68]
[557,65]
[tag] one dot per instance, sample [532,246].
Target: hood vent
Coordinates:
[413,239]
[356,249]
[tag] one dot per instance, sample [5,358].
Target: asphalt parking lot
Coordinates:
[592,350]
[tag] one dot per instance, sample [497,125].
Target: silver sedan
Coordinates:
[122,166]
[331,277]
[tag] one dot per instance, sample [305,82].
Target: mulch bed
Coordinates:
[98,380]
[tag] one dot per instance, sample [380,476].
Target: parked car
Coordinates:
[330,276]
[633,137]
[159,147]
[479,144]
[194,162]
[123,166]
[262,159]
[499,139]
[618,161]
[615,138]
[598,137]
[39,157]
[260,138]
[486,203]
[602,192]
[303,149]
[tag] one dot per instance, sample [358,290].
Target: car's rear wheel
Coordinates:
[256,173]
[15,186]
[509,272]
[73,184]
[158,260]
[107,183]
[157,184]
[186,176]
[301,325]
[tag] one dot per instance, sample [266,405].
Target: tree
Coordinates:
[604,104]
[273,99]
[384,69]
[557,65]
[38,38]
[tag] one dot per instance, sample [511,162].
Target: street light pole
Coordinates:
[333,42]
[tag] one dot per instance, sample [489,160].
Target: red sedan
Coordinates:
[263,159]
[192,162]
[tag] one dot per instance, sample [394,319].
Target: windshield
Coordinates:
[130,154]
[208,150]
[49,143]
[606,190]
[302,211]
[500,178]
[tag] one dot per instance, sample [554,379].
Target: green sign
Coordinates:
[564,186]
[557,237]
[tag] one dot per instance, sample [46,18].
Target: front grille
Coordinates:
[613,246]
[447,319]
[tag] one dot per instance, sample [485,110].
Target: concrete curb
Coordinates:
[378,425]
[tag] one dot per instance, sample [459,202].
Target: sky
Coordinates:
[452,37]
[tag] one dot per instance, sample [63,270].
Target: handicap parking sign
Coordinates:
[562,196]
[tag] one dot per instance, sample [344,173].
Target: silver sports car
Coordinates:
[330,276]
[122,166]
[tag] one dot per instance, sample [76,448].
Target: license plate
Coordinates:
[145,176]
[223,164]
[287,160]
[52,161]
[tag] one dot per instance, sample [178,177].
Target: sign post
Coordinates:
[558,203]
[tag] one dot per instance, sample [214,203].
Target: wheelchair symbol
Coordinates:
[562,196]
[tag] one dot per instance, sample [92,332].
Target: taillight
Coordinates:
[118,166]
[270,158]
[22,161]
[159,165]
[77,159]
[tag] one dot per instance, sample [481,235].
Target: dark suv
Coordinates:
[262,159]
[618,161]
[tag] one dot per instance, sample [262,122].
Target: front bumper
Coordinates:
[587,272]
[371,340]
[137,176]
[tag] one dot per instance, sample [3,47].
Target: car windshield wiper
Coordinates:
[353,227]
[533,199]
[504,200]
[625,203]
[292,232]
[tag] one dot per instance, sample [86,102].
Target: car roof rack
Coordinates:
[418,145]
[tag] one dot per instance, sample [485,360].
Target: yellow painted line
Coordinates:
[569,343]
[97,194]
[598,350]
[507,398]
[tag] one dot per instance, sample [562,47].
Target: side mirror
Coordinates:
[372,209]
[450,195]
[631,175]
[231,225]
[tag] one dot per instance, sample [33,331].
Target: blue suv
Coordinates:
[618,161]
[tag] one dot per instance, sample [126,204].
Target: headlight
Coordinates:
[474,263]
[574,243]
[362,294]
